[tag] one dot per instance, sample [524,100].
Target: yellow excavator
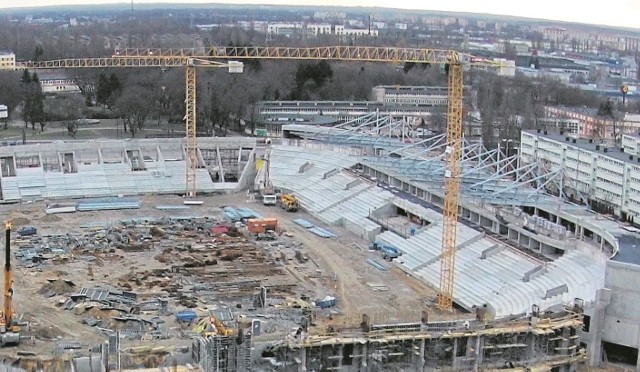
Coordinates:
[289,202]
[9,329]
[211,326]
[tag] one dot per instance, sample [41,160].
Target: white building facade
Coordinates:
[59,85]
[319,29]
[7,60]
[346,31]
[404,94]
[593,172]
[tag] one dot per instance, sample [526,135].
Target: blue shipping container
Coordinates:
[186,316]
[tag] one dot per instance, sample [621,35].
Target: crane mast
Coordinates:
[190,130]
[9,330]
[451,187]
[8,279]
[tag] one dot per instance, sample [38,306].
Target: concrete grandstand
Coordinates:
[489,272]
[518,246]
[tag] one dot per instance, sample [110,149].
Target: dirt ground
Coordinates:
[340,264]
[346,257]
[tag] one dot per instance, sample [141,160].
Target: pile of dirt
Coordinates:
[156,231]
[98,313]
[57,287]
[50,218]
[19,221]
[48,333]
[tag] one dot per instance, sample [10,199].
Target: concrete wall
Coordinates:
[622,316]
[249,172]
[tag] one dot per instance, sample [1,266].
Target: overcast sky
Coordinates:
[623,13]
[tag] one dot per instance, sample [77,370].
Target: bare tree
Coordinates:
[10,94]
[72,112]
[134,106]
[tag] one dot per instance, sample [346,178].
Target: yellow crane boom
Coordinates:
[170,57]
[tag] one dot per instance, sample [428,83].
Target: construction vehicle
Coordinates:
[210,326]
[289,202]
[389,252]
[9,329]
[269,199]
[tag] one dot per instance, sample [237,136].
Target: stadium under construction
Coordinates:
[528,264]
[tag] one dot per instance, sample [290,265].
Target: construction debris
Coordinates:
[194,270]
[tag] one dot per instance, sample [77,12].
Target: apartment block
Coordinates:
[591,172]
[7,60]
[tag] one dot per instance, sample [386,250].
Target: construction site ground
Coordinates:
[335,267]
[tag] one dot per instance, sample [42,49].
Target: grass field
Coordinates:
[106,129]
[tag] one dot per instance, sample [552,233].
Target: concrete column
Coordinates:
[421,360]
[303,357]
[221,172]
[454,358]
[531,349]
[472,351]
[565,341]
[363,357]
[478,353]
[594,348]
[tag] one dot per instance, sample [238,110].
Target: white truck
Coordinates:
[269,199]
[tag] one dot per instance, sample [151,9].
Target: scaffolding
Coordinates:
[528,341]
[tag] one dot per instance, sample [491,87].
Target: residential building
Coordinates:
[7,60]
[401,26]
[285,29]
[630,144]
[344,31]
[57,82]
[560,124]
[319,29]
[590,124]
[594,173]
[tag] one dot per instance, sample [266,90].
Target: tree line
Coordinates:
[141,97]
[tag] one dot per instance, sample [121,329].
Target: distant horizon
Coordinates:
[625,14]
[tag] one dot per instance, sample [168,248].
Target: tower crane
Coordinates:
[192,58]
[9,329]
